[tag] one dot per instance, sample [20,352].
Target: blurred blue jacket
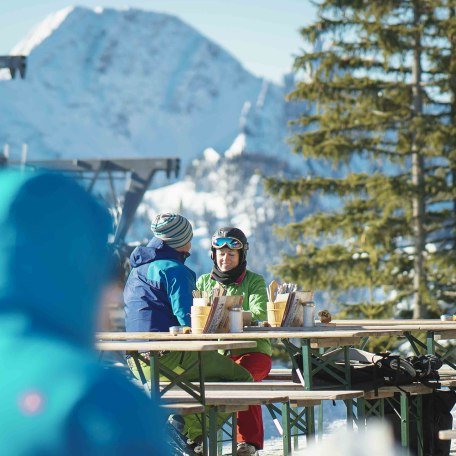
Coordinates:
[56,399]
[158,292]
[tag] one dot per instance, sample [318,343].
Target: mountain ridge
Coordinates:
[107,82]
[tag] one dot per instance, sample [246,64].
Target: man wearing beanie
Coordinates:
[158,295]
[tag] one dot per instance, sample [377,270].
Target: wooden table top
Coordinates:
[173,345]
[404,325]
[285,333]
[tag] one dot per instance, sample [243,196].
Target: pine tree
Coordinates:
[382,77]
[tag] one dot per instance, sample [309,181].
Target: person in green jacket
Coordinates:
[229,254]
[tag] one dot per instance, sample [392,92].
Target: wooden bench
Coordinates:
[220,398]
[288,394]
[194,407]
[279,374]
[217,401]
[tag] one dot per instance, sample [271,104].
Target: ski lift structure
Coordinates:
[15,64]
[136,173]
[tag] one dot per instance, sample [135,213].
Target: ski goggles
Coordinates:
[230,242]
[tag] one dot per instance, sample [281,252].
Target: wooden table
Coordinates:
[195,390]
[392,321]
[172,345]
[317,332]
[435,330]
[308,339]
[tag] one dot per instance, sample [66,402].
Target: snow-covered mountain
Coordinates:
[106,82]
[120,83]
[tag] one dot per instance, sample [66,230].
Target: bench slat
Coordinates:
[219,401]
[185,408]
[244,390]
[388,391]
[336,342]
[182,409]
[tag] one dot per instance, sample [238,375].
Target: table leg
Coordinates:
[306,363]
[349,405]
[361,414]
[212,411]
[310,420]
[141,375]
[220,441]
[320,421]
[155,374]
[295,429]
[405,422]
[430,343]
[419,424]
[234,433]
[286,436]
[347,367]
[201,378]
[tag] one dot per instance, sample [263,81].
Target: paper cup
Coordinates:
[275,313]
[198,316]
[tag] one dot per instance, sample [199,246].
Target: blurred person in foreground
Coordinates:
[54,265]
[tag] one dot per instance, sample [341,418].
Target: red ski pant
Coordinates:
[250,423]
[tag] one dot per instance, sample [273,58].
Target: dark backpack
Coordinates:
[426,367]
[390,370]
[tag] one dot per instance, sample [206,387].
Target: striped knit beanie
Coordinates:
[174,229]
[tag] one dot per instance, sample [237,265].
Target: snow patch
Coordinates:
[42,31]
[211,155]
[237,148]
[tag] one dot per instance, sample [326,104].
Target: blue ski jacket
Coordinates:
[158,292]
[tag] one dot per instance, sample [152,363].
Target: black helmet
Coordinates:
[231,232]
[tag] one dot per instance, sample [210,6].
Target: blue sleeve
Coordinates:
[180,283]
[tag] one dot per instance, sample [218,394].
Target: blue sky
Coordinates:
[262,34]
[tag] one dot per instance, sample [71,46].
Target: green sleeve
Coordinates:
[203,283]
[258,298]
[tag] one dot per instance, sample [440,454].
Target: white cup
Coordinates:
[200,302]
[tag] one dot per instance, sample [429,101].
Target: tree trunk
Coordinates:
[418,203]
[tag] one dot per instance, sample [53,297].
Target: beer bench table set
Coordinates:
[310,340]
